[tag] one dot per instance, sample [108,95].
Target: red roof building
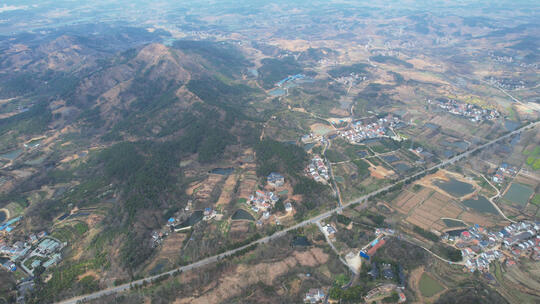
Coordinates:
[374,249]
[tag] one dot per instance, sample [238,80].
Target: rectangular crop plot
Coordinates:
[519,194]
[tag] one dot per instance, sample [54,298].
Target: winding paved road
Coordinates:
[281,233]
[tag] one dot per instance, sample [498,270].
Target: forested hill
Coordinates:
[138,113]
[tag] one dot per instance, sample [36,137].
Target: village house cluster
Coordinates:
[314,295]
[351,79]
[506,83]
[503,170]
[318,170]
[8,226]
[175,224]
[263,201]
[311,138]
[46,253]
[38,249]
[275,180]
[522,239]
[472,112]
[361,131]
[479,247]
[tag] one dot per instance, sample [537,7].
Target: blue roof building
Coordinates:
[275,179]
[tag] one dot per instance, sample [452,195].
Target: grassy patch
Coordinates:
[363,167]
[416,188]
[335,156]
[536,200]
[429,286]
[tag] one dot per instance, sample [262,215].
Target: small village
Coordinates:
[504,170]
[351,79]
[261,202]
[361,131]
[36,249]
[318,170]
[479,247]
[473,112]
[506,83]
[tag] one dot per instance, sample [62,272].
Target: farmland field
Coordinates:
[519,194]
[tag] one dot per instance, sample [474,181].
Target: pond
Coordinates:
[222,171]
[451,223]
[480,204]
[455,187]
[193,219]
[300,240]
[3,216]
[158,268]
[390,158]
[362,154]
[277,92]
[456,232]
[34,143]
[12,154]
[242,214]
[518,194]
[402,167]
[511,125]
[80,214]
[64,216]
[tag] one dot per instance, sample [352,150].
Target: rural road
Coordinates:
[282,232]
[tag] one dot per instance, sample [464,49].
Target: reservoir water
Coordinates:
[455,187]
[242,214]
[300,241]
[480,204]
[193,219]
[12,154]
[451,223]
[222,171]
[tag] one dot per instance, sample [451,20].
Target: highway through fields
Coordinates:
[284,231]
